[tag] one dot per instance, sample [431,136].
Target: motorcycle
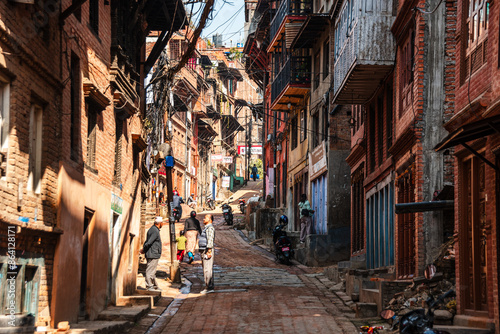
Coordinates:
[227,211]
[242,204]
[210,203]
[177,214]
[282,243]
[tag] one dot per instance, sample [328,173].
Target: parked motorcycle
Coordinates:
[227,211]
[242,204]
[177,214]
[210,203]
[282,243]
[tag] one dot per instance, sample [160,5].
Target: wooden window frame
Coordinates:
[407,60]
[117,170]
[94,16]
[4,124]
[35,149]
[92,114]
[294,132]
[358,211]
[326,58]
[75,119]
[475,40]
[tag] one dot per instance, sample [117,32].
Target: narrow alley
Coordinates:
[253,294]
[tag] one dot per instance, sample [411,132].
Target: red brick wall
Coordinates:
[29,62]
[482,85]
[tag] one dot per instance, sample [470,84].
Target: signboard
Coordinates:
[317,161]
[239,45]
[116,204]
[257,149]
[227,160]
[226,180]
[216,157]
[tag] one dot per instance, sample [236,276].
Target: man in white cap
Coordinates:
[152,248]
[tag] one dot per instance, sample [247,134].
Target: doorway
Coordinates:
[473,237]
[83,313]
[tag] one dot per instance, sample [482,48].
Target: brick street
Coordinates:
[253,294]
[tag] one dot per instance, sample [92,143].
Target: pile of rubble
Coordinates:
[417,293]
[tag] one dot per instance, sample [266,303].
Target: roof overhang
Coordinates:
[310,31]
[466,133]
[231,124]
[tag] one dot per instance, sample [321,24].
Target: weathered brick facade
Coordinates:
[29,80]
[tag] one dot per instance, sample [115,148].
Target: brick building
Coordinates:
[30,134]
[400,187]
[72,136]
[473,134]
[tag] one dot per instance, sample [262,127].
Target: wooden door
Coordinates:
[474,237]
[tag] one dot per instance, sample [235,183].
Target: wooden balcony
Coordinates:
[289,17]
[364,48]
[292,83]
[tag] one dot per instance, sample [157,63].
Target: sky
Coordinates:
[228,20]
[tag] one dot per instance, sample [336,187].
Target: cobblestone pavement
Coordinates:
[253,294]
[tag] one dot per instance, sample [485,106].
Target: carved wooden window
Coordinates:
[303,125]
[407,61]
[92,111]
[477,14]
[406,225]
[118,151]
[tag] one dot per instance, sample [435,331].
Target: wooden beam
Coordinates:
[160,44]
[70,10]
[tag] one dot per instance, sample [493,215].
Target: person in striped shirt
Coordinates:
[206,247]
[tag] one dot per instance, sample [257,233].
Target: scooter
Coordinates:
[282,244]
[227,211]
[242,204]
[210,203]
[177,214]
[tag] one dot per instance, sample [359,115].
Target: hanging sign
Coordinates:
[317,161]
[216,157]
[227,160]
[226,180]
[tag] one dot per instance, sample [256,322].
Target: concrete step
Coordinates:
[475,322]
[124,313]
[100,327]
[463,329]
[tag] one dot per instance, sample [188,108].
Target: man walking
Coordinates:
[254,172]
[206,246]
[192,228]
[177,201]
[305,212]
[152,249]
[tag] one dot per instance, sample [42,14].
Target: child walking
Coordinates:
[181,246]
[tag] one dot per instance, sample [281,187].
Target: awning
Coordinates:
[159,15]
[310,31]
[230,124]
[424,206]
[205,130]
[468,132]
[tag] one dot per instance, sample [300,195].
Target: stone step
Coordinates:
[18,330]
[124,313]
[138,300]
[366,310]
[100,327]
[463,329]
